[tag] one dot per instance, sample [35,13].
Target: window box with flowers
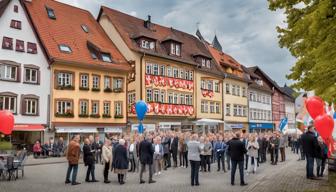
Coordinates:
[84,88]
[106,116]
[108,90]
[66,87]
[95,116]
[83,115]
[95,89]
[118,116]
[117,90]
[65,115]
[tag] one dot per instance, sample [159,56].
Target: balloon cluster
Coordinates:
[323,122]
[6,122]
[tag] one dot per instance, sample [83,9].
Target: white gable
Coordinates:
[25,34]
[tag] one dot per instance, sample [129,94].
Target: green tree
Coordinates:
[310,36]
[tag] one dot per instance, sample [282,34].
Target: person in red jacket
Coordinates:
[37,149]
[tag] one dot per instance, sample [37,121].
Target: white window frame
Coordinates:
[31,106]
[155,69]
[95,82]
[117,83]
[107,82]
[148,68]
[29,75]
[228,109]
[11,100]
[107,108]
[95,108]
[6,72]
[149,95]
[64,79]
[84,80]
[83,106]
[63,107]
[118,108]
[156,95]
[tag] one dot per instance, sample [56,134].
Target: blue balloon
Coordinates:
[141,109]
[140,128]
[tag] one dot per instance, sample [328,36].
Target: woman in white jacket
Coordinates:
[252,151]
[107,158]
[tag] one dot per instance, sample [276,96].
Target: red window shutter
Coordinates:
[18,74]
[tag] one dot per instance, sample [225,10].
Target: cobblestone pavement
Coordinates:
[288,176]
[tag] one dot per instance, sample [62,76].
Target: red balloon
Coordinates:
[315,106]
[324,125]
[6,122]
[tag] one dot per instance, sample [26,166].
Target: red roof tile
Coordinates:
[130,27]
[66,29]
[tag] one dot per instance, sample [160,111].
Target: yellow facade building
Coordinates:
[168,68]
[89,74]
[235,86]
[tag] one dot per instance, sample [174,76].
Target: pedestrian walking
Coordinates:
[72,155]
[252,151]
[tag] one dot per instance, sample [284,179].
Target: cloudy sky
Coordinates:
[245,28]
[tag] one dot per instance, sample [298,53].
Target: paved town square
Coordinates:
[287,176]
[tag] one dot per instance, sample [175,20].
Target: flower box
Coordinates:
[84,88]
[83,115]
[118,116]
[106,116]
[95,89]
[117,90]
[66,115]
[108,90]
[95,116]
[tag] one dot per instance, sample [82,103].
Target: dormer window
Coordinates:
[146,44]
[175,48]
[106,57]
[208,63]
[51,13]
[203,62]
[85,28]
[64,48]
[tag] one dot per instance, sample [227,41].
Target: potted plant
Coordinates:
[117,90]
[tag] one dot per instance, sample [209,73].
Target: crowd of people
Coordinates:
[162,150]
[49,148]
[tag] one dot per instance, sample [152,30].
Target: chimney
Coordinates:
[148,23]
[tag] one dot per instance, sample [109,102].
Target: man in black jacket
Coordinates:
[146,153]
[236,149]
[174,148]
[309,146]
[89,161]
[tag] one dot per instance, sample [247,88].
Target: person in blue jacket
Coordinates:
[220,149]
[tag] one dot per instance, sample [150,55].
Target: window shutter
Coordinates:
[38,74]
[18,74]
[23,105]
[37,107]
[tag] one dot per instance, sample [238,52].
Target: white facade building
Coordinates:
[24,74]
[290,112]
[259,104]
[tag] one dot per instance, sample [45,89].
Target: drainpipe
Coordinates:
[141,77]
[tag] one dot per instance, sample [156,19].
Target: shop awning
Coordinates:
[208,122]
[28,127]
[168,125]
[75,129]
[113,129]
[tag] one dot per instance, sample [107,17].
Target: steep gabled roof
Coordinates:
[67,29]
[216,44]
[254,79]
[288,91]
[129,27]
[3,6]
